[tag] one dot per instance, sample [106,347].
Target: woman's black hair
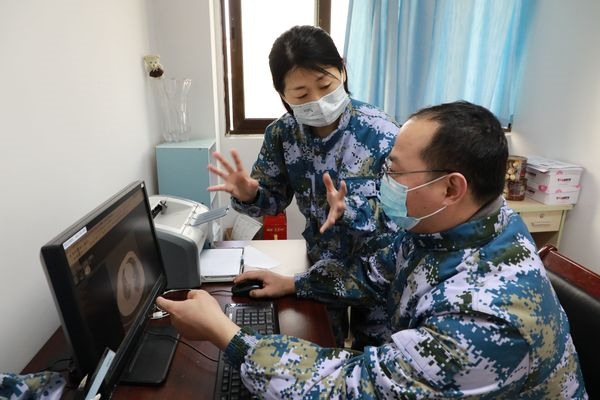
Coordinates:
[305,46]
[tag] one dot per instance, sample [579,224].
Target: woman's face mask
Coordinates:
[392,196]
[324,111]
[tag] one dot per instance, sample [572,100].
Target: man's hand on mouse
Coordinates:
[200,317]
[274,285]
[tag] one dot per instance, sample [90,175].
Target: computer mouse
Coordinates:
[245,287]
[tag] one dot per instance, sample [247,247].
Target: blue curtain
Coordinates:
[403,55]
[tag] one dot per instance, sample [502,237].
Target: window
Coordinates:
[249,29]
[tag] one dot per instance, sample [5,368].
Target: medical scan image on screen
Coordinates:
[112,283]
[130,284]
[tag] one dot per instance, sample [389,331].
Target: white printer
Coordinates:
[182,230]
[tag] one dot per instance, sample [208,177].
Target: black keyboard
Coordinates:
[263,318]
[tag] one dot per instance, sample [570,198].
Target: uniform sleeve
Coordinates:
[361,278]
[424,362]
[275,192]
[375,133]
[362,212]
[363,216]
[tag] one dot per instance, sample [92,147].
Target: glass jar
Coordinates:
[173,98]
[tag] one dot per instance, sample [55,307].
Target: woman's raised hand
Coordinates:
[237,181]
[337,201]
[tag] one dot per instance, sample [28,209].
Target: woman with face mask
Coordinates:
[326,145]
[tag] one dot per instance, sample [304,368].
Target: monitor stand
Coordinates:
[150,364]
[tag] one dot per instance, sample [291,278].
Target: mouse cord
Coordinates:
[220,292]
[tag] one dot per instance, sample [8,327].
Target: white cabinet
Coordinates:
[545,221]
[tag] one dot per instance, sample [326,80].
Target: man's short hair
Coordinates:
[469,140]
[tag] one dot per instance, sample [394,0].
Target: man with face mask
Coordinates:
[473,313]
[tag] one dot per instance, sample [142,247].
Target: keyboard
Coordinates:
[263,318]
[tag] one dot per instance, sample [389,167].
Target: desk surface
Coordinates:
[192,375]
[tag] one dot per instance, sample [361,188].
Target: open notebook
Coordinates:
[221,265]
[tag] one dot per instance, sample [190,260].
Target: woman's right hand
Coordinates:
[337,201]
[274,284]
[237,181]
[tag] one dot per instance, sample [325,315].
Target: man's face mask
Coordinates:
[392,196]
[324,111]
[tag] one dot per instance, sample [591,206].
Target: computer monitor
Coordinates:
[105,272]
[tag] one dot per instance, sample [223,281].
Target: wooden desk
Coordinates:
[544,221]
[192,376]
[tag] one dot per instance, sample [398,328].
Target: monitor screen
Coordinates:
[105,272]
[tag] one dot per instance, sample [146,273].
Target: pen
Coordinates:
[242,265]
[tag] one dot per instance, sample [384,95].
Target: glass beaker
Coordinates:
[173,97]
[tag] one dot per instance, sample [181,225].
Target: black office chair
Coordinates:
[578,290]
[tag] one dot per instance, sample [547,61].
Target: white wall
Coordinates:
[180,32]
[74,128]
[559,112]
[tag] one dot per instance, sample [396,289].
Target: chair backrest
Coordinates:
[578,290]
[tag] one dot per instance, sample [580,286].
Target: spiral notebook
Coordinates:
[221,265]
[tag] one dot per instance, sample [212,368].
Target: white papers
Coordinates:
[254,258]
[546,164]
[221,265]
[244,228]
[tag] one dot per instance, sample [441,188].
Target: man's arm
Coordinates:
[417,363]
[360,278]
[355,280]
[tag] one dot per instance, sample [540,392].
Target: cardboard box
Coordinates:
[548,175]
[564,195]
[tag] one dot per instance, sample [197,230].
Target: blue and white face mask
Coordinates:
[392,196]
[324,111]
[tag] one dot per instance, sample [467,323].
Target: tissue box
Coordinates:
[561,195]
[548,175]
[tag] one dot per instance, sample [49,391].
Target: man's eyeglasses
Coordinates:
[386,171]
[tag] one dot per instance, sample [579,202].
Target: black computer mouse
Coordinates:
[244,288]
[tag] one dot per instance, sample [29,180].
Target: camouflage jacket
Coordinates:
[474,316]
[291,163]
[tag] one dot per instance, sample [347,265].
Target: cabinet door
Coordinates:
[182,170]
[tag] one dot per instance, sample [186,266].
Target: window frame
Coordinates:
[236,121]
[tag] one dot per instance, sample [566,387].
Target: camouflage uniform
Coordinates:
[291,163]
[474,317]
